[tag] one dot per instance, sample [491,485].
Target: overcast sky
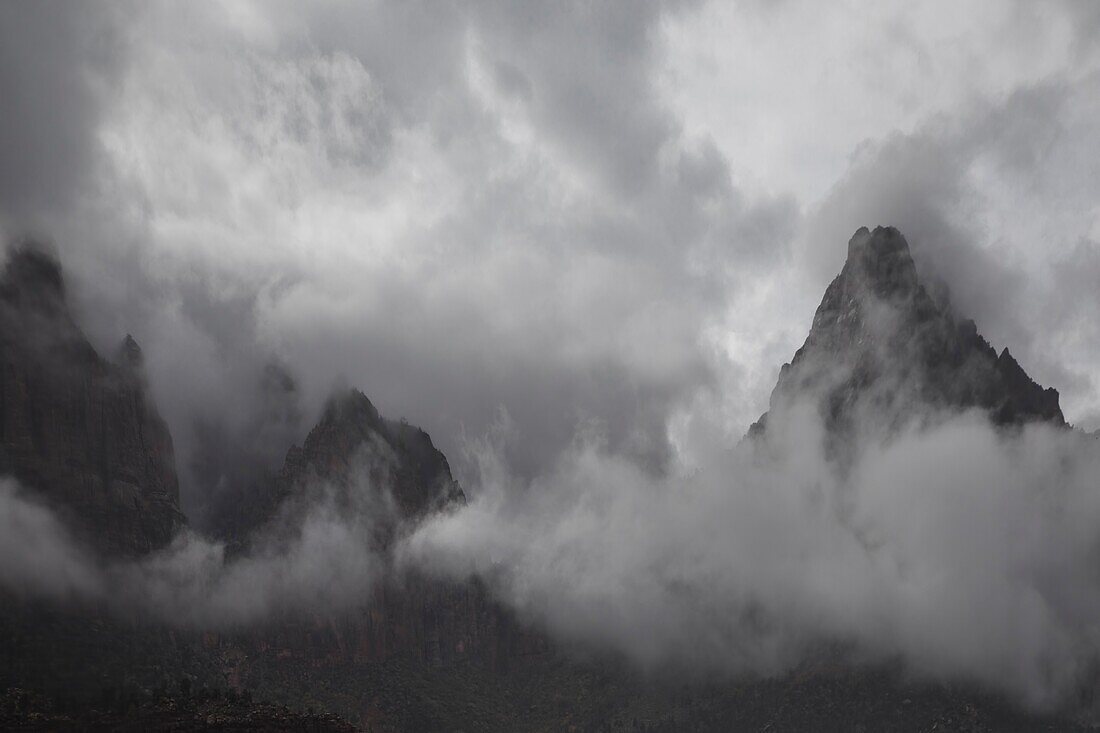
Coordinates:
[591,214]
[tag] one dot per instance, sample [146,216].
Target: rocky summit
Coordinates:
[352,434]
[882,352]
[78,430]
[358,457]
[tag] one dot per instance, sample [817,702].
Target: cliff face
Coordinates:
[391,472]
[881,352]
[364,462]
[352,438]
[77,429]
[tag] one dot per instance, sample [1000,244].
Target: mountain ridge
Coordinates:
[426,654]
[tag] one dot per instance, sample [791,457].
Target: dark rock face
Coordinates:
[361,458]
[882,352]
[76,428]
[352,435]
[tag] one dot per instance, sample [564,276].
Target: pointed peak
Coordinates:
[878,340]
[129,354]
[351,405]
[880,242]
[858,240]
[1008,364]
[881,258]
[130,345]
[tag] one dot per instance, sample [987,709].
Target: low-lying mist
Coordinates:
[965,551]
[319,555]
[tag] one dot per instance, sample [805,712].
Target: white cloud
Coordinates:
[962,551]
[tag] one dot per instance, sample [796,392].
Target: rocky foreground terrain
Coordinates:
[421,654]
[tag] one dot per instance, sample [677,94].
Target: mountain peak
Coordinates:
[361,456]
[129,355]
[883,240]
[881,260]
[352,409]
[881,352]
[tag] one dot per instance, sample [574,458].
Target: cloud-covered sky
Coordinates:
[575,241]
[574,214]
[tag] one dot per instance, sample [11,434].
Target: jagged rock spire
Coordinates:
[357,454]
[129,355]
[416,473]
[881,352]
[881,261]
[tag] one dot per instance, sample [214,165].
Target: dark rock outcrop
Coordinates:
[390,474]
[78,430]
[360,458]
[882,352]
[398,458]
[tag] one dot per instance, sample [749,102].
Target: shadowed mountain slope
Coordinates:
[361,459]
[78,429]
